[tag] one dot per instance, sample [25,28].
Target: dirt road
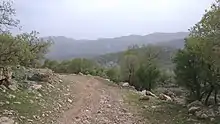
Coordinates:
[96,103]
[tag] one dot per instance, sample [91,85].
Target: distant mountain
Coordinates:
[67,48]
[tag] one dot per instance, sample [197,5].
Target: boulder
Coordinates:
[165,97]
[125,84]
[39,77]
[150,94]
[170,93]
[193,110]
[143,92]
[80,73]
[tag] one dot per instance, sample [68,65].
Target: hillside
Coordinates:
[66,48]
[164,58]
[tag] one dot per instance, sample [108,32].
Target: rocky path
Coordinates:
[96,103]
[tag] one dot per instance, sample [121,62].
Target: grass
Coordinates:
[159,112]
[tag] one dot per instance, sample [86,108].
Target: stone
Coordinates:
[31,101]
[143,92]
[69,100]
[36,86]
[150,94]
[192,110]
[203,116]
[145,107]
[17,103]
[80,73]
[170,93]
[125,84]
[212,119]
[6,120]
[165,97]
[10,96]
[109,106]
[153,107]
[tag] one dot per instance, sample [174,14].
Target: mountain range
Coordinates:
[68,48]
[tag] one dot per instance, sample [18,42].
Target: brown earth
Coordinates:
[96,102]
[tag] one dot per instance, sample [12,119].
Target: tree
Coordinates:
[114,74]
[34,48]
[7,14]
[10,50]
[197,65]
[24,49]
[147,75]
[129,65]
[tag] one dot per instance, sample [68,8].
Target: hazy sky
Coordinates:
[93,19]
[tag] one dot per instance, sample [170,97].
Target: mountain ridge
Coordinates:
[68,48]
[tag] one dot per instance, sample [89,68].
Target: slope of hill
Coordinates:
[67,48]
[164,57]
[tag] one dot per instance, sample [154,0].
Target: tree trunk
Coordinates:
[216,95]
[209,94]
[129,78]
[202,95]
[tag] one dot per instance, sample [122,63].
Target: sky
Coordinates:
[92,19]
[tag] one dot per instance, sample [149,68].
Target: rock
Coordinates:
[109,106]
[6,112]
[144,98]
[10,96]
[212,119]
[60,81]
[153,107]
[22,117]
[125,84]
[132,87]
[143,92]
[7,102]
[145,107]
[6,120]
[150,94]
[165,97]
[80,73]
[69,100]
[17,103]
[203,116]
[36,86]
[192,110]
[170,93]
[31,101]
[195,104]
[29,120]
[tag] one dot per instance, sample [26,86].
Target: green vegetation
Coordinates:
[197,65]
[23,49]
